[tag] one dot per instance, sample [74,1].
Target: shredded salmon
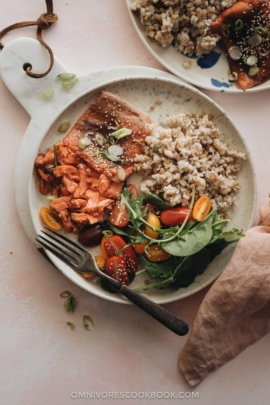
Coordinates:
[253,14]
[84,182]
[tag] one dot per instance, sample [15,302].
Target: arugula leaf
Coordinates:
[162,269]
[150,198]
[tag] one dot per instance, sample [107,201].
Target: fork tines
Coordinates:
[64,249]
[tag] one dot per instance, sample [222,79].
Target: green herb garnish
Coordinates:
[66,76]
[63,126]
[86,321]
[48,94]
[65,294]
[70,303]
[71,325]
[110,156]
[68,84]
[121,133]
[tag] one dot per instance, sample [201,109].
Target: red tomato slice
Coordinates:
[119,215]
[115,246]
[174,216]
[132,189]
[115,267]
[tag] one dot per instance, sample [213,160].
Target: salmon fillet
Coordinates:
[85,181]
[246,25]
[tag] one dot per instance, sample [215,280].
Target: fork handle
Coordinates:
[165,317]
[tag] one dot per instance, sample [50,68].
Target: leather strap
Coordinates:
[43,23]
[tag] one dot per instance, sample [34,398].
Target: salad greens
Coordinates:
[192,245]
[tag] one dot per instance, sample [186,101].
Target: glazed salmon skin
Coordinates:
[82,179]
[235,26]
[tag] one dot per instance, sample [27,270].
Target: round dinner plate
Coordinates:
[174,97]
[208,72]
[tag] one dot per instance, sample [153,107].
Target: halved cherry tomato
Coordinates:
[115,267]
[88,275]
[119,215]
[132,189]
[103,251]
[116,246]
[100,261]
[153,220]
[201,208]
[50,219]
[139,247]
[174,216]
[155,253]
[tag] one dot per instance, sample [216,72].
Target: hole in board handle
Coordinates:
[26,66]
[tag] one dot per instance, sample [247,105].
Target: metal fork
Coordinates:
[83,261]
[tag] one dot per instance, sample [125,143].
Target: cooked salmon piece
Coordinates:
[246,26]
[82,176]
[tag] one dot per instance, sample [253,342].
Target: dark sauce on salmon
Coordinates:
[244,31]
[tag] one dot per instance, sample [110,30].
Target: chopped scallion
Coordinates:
[66,76]
[253,71]
[238,25]
[86,321]
[261,31]
[68,84]
[65,294]
[121,133]
[48,94]
[70,304]
[83,142]
[226,31]
[63,126]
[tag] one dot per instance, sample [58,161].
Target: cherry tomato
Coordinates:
[132,189]
[153,220]
[139,247]
[115,267]
[88,275]
[50,219]
[119,215]
[155,253]
[90,235]
[174,216]
[116,246]
[100,261]
[201,208]
[103,251]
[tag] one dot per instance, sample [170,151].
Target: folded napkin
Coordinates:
[235,312]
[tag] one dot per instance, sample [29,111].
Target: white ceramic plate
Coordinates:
[211,77]
[175,97]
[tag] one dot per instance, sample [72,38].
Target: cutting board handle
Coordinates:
[27,90]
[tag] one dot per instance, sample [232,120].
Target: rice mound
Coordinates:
[186,23]
[189,152]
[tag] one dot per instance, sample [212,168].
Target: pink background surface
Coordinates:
[42,360]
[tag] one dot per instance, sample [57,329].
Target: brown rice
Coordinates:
[184,22]
[189,152]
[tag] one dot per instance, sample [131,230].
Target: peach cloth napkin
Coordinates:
[235,312]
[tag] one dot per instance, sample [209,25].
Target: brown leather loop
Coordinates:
[46,20]
[43,23]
